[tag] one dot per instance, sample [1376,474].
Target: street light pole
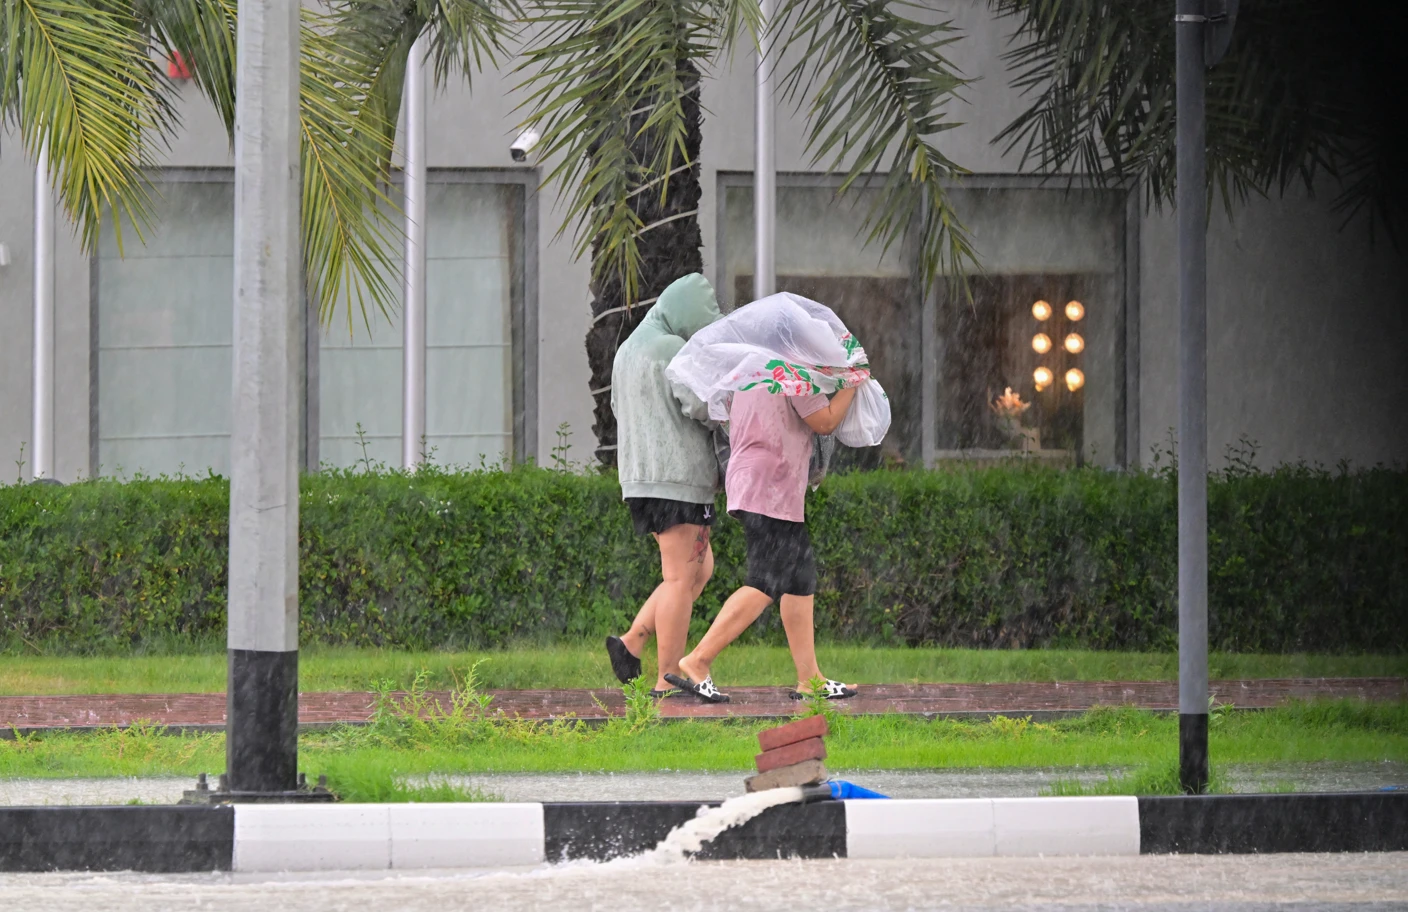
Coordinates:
[42,457]
[1192,401]
[413,268]
[262,714]
[765,161]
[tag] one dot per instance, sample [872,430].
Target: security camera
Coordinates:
[524,144]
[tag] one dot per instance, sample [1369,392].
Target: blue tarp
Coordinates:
[842,790]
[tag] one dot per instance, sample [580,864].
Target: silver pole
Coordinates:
[262,715]
[765,163]
[42,458]
[413,270]
[1192,400]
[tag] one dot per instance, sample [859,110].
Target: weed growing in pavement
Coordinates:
[815,703]
[421,717]
[642,710]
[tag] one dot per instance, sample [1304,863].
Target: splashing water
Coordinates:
[689,837]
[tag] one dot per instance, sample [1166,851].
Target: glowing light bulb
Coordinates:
[1074,343]
[1043,377]
[1074,379]
[1041,343]
[1041,310]
[1075,311]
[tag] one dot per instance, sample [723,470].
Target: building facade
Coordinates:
[1307,316]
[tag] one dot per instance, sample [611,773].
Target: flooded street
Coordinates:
[691,785]
[1240,883]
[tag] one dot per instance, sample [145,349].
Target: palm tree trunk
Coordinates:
[667,252]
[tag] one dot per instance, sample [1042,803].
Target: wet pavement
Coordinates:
[691,785]
[1169,883]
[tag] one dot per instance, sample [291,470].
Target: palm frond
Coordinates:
[608,87]
[78,77]
[874,84]
[1288,103]
[349,229]
[203,33]
[367,44]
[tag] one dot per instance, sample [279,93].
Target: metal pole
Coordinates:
[262,716]
[413,269]
[765,163]
[42,459]
[1192,401]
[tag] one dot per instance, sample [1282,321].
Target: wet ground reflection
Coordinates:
[1241,883]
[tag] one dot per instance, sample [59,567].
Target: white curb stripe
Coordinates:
[958,828]
[1066,826]
[466,835]
[377,837]
[923,828]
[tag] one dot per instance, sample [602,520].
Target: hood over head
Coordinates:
[686,306]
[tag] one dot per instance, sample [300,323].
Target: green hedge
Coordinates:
[1301,559]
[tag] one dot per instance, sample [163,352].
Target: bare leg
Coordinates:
[687,560]
[741,610]
[644,625]
[801,638]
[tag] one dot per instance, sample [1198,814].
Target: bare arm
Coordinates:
[827,420]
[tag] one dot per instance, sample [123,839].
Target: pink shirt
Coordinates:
[770,451]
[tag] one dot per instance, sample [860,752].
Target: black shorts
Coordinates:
[653,515]
[780,558]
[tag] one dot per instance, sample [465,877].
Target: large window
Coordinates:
[473,301]
[163,325]
[162,336]
[1044,251]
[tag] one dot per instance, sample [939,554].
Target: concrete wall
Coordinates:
[1306,323]
[1306,334]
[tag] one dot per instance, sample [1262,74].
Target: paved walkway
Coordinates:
[928,700]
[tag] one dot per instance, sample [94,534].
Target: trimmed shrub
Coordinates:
[1300,560]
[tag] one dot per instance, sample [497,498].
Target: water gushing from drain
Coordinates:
[689,838]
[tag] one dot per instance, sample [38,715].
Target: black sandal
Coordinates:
[667,694]
[833,690]
[704,690]
[625,665]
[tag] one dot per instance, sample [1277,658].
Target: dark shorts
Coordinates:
[780,558]
[653,515]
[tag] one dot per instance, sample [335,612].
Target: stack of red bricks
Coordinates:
[792,755]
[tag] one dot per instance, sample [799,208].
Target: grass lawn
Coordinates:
[586,666]
[364,763]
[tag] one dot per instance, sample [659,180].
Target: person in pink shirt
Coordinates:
[766,482]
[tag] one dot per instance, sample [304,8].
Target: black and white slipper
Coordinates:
[704,690]
[833,690]
[625,665]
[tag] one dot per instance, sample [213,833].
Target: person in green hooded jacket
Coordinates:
[669,473]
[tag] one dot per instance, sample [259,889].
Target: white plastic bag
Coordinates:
[789,345]
[868,419]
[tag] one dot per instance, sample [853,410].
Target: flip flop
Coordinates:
[704,690]
[625,665]
[834,690]
[667,694]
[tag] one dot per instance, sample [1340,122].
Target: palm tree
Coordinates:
[81,78]
[1298,97]
[615,89]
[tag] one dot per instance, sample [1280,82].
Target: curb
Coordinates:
[346,837]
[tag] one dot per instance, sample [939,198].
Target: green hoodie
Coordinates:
[663,448]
